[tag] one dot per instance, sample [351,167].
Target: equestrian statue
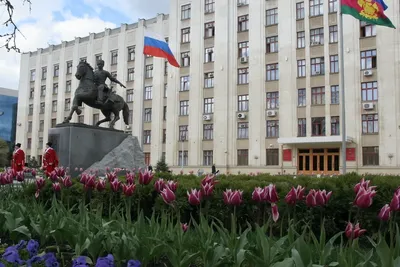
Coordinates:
[94,92]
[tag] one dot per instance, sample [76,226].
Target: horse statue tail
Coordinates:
[125,113]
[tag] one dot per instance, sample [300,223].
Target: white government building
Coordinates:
[257,91]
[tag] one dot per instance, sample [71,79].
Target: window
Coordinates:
[68,87]
[185,83]
[147,157]
[30,112]
[368,59]
[318,96]
[209,55]
[243,23]
[43,91]
[317,36]
[316,8]
[318,126]
[53,123]
[209,29]
[301,68]
[81,119]
[183,158]
[272,44]
[272,129]
[56,70]
[97,58]
[243,76]
[147,115]
[183,133]
[272,100]
[243,49]
[243,102]
[29,126]
[242,2]
[369,91]
[164,136]
[149,71]
[272,156]
[209,6]
[55,88]
[209,80]
[302,127]
[367,30]
[333,5]
[185,59]
[184,108]
[209,105]
[208,131]
[69,67]
[317,66]
[67,104]
[243,130]
[129,95]
[32,93]
[242,157]
[370,123]
[165,68]
[113,74]
[165,113]
[301,97]
[131,74]
[40,143]
[114,57]
[335,94]
[148,93]
[185,35]
[300,10]
[41,125]
[334,64]
[271,16]
[147,137]
[131,53]
[130,117]
[207,157]
[44,73]
[165,90]
[33,75]
[95,119]
[335,128]
[54,106]
[185,12]
[273,72]
[42,107]
[333,34]
[83,59]
[370,156]
[301,39]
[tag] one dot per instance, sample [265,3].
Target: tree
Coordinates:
[161,165]
[10,34]
[4,149]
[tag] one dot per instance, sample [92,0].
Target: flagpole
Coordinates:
[342,90]
[143,87]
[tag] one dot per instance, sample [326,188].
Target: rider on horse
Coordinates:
[100,77]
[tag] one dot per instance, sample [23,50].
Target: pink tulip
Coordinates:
[210,178]
[168,195]
[194,197]
[90,182]
[275,212]
[159,185]
[111,176]
[33,172]
[185,227]
[115,185]
[83,178]
[100,185]
[322,198]
[354,232]
[53,176]
[258,194]
[294,195]
[66,181]
[232,197]
[310,198]
[76,169]
[145,177]
[207,189]
[270,194]
[395,202]
[128,190]
[3,179]
[384,214]
[172,185]
[60,171]
[363,184]
[130,178]
[81,169]
[56,187]
[40,183]
[364,198]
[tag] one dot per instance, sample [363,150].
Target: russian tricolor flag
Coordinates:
[158,47]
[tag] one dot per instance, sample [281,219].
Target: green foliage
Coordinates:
[161,165]
[4,152]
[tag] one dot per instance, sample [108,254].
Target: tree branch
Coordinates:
[10,35]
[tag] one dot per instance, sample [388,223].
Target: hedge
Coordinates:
[336,212]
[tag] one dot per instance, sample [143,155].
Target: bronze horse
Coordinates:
[87,93]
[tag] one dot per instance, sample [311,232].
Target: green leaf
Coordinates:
[22,230]
[288,262]
[383,251]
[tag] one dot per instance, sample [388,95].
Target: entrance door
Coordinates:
[318,161]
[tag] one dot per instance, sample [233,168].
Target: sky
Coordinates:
[52,21]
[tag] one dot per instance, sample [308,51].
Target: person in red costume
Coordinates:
[18,162]
[50,159]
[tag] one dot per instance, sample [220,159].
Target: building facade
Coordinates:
[257,91]
[8,114]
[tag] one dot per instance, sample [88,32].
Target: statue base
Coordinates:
[84,146]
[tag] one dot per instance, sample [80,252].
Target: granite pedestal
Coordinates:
[82,146]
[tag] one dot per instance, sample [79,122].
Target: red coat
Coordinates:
[50,160]
[18,162]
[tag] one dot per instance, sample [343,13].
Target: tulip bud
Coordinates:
[364,198]
[270,194]
[128,190]
[145,177]
[384,214]
[354,232]
[115,185]
[258,194]
[66,181]
[194,197]
[310,199]
[275,212]
[100,185]
[130,178]
[184,227]
[40,183]
[172,185]
[159,185]
[56,187]
[232,197]
[168,195]
[207,189]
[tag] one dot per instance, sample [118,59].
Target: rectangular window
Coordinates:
[301,39]
[370,156]
[272,156]
[185,35]
[96,118]
[369,91]
[302,127]
[44,73]
[164,136]
[130,119]
[55,88]
[209,55]
[301,97]
[318,96]
[273,129]
[129,96]
[29,126]
[41,125]
[69,67]
[243,23]
[301,68]
[209,29]
[318,126]
[367,30]
[209,105]
[40,143]
[334,64]
[68,87]
[33,75]
[243,76]
[185,59]
[242,2]
[209,80]
[148,93]
[370,123]
[147,115]
[184,108]
[147,137]
[333,6]
[300,10]
[272,100]
[209,6]
[273,72]
[54,106]
[56,70]
[97,58]
[149,71]
[53,123]
[317,66]
[243,49]
[242,157]
[243,102]
[147,158]
[185,11]
[164,113]
[166,68]
[42,107]
[316,8]
[335,128]
[335,94]
[131,74]
[271,16]
[183,133]
[207,157]
[272,44]
[67,106]
[208,131]
[368,59]
[32,93]
[185,83]
[114,57]
[30,112]
[81,119]
[243,130]
[43,91]
[333,34]
[317,36]
[131,53]
[183,158]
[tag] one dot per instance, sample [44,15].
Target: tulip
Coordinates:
[354,232]
[145,177]
[90,182]
[172,185]
[128,190]
[395,202]
[363,184]
[384,214]
[111,176]
[294,195]
[159,185]
[76,169]
[275,212]
[60,171]
[130,178]
[115,185]
[322,198]
[83,178]
[100,185]
[53,176]
[168,195]
[66,181]
[270,194]
[207,189]
[258,194]
[3,179]
[210,178]
[364,198]
[310,199]
[56,187]
[40,183]
[184,227]
[33,172]
[194,197]
[233,197]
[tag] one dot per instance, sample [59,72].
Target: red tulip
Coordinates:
[100,185]
[310,198]
[40,183]
[115,185]
[66,181]
[395,203]
[207,189]
[364,198]
[354,232]
[194,197]
[56,187]
[145,177]
[111,176]
[258,194]
[270,194]
[384,214]
[168,195]
[90,182]
[130,178]
[159,185]
[83,178]
[322,198]
[363,184]
[185,227]
[275,212]
[233,197]
[128,190]
[294,195]
[172,185]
